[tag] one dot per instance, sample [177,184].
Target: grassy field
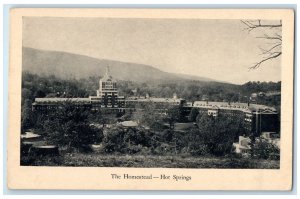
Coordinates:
[100,160]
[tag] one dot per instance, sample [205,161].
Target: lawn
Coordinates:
[149,161]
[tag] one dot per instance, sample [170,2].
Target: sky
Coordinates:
[217,49]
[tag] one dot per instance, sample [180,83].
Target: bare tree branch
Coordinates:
[251,25]
[270,37]
[270,50]
[274,50]
[278,35]
[275,55]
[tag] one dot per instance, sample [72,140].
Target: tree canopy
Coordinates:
[69,126]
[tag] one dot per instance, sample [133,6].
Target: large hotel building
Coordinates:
[257,118]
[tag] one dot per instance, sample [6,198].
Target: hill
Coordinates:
[67,65]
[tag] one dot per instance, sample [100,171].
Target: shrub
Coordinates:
[199,150]
[262,149]
[113,141]
[217,133]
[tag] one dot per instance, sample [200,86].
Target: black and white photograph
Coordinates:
[173,93]
[163,99]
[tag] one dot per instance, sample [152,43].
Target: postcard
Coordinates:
[151,99]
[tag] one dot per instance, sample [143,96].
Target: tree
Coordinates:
[263,149]
[69,126]
[146,114]
[101,117]
[26,116]
[167,135]
[217,134]
[271,35]
[193,114]
[113,140]
[232,97]
[26,95]
[173,115]
[39,93]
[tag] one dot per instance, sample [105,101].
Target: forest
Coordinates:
[50,86]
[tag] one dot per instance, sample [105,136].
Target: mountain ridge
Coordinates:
[69,65]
